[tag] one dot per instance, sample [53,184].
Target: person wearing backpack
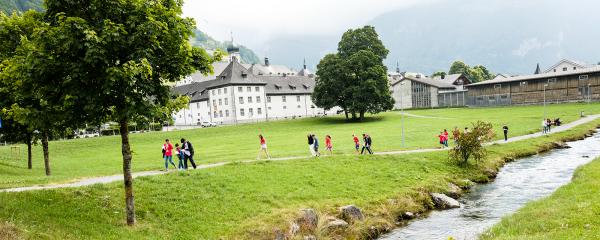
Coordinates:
[188,153]
[366,144]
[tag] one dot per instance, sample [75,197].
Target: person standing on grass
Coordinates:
[316,145]
[549,124]
[311,144]
[366,144]
[328,145]
[263,147]
[168,154]
[188,153]
[180,156]
[356,143]
[441,138]
[505,130]
[544,126]
[446,137]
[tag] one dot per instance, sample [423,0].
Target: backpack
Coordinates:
[190,148]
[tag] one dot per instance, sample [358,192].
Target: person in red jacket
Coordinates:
[442,138]
[167,150]
[263,147]
[328,145]
[356,143]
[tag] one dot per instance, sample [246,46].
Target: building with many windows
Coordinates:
[237,95]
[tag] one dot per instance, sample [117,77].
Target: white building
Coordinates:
[565,65]
[237,95]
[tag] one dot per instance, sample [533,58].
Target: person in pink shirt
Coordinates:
[167,150]
[356,143]
[328,144]
[442,138]
[263,147]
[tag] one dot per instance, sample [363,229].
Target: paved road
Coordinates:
[115,178]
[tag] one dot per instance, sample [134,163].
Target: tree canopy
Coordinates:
[355,78]
[477,73]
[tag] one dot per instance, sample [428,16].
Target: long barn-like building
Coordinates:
[568,84]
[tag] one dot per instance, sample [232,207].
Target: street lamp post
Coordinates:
[589,92]
[545,85]
[402,110]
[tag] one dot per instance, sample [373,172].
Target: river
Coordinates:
[517,183]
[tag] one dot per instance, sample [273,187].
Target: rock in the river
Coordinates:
[560,145]
[408,215]
[444,202]
[490,173]
[335,225]
[308,220]
[351,213]
[453,191]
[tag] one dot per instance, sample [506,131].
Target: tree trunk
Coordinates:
[346,112]
[353,115]
[126,152]
[362,115]
[29,163]
[46,154]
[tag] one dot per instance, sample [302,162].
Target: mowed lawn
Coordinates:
[243,201]
[572,212]
[81,158]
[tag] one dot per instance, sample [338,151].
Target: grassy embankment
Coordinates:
[251,200]
[82,158]
[572,212]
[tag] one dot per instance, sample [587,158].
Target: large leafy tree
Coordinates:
[116,60]
[355,78]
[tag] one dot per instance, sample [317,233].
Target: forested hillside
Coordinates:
[209,43]
[8,6]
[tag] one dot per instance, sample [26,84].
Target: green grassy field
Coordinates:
[81,158]
[572,212]
[247,201]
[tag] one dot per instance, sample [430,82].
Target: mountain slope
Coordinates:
[8,6]
[203,40]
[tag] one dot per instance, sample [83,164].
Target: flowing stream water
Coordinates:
[517,183]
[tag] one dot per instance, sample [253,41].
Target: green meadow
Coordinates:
[81,158]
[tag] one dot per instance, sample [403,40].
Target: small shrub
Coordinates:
[470,144]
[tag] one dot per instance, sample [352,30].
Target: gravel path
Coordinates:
[119,177]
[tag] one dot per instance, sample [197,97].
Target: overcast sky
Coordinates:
[253,22]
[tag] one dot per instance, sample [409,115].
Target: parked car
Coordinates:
[208,124]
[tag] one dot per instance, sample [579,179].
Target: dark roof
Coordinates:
[594,69]
[196,91]
[288,85]
[235,73]
[450,78]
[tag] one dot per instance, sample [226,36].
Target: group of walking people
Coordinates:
[184,153]
[547,124]
[313,145]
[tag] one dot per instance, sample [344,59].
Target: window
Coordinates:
[248,89]
[214,102]
[239,89]
[552,80]
[259,111]
[241,100]
[249,99]
[216,114]
[213,92]
[299,106]
[554,70]
[268,99]
[257,99]
[583,77]
[297,98]
[226,101]
[221,113]
[524,83]
[219,91]
[565,69]
[497,85]
[224,90]
[250,112]
[197,105]
[220,102]
[242,112]
[269,108]
[284,107]
[257,89]
[574,68]
[226,113]
[198,114]
[283,99]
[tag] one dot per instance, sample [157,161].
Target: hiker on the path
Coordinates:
[557,122]
[263,147]
[180,156]
[328,145]
[188,153]
[356,143]
[505,129]
[366,144]
[167,150]
[549,124]
[442,138]
[311,145]
[446,137]
[316,146]
[544,126]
